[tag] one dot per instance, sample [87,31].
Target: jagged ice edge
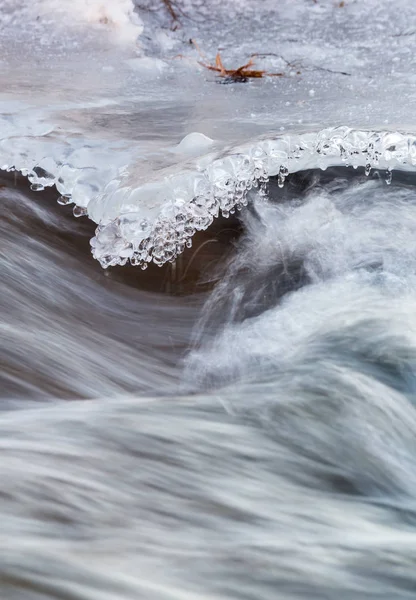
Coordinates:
[194,199]
[191,200]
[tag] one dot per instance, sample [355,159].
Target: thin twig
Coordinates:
[169,7]
[299,65]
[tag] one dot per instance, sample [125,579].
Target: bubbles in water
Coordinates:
[80,211]
[283,173]
[106,261]
[262,190]
[64,200]
[389,176]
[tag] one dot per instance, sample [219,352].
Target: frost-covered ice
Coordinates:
[157,220]
[104,100]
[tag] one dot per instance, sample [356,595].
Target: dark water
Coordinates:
[243,427]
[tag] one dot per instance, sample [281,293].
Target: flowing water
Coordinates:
[236,420]
[242,428]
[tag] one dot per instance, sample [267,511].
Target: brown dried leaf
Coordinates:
[239,74]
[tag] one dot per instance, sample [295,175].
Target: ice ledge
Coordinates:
[154,221]
[157,221]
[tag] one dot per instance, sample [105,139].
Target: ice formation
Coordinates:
[103,120]
[192,200]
